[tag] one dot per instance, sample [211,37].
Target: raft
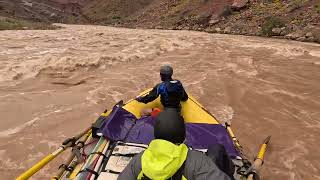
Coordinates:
[104,149]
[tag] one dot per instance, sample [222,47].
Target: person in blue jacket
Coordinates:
[171,91]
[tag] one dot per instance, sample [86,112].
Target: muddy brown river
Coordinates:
[53,84]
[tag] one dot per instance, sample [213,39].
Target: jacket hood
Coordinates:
[163,159]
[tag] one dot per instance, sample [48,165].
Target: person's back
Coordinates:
[171,91]
[164,160]
[168,158]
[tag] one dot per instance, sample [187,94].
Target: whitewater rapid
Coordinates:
[54,83]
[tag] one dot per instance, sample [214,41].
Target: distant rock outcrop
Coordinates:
[239,4]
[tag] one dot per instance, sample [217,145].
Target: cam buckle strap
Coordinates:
[76,151]
[69,140]
[66,168]
[70,169]
[80,144]
[90,171]
[111,171]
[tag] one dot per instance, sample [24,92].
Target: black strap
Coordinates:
[124,155]
[120,103]
[69,140]
[144,177]
[255,176]
[90,171]
[66,168]
[178,175]
[111,171]
[70,168]
[100,153]
[80,144]
[63,166]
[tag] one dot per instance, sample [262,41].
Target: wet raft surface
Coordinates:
[54,83]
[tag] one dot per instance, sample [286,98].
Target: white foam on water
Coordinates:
[51,144]
[33,157]
[224,114]
[116,96]
[315,53]
[284,92]
[17,129]
[2,153]
[280,48]
[47,91]
[26,93]
[101,94]
[291,154]
[9,164]
[94,52]
[32,122]
[289,51]
[199,78]
[7,95]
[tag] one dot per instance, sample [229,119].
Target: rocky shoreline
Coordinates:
[295,20]
[288,19]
